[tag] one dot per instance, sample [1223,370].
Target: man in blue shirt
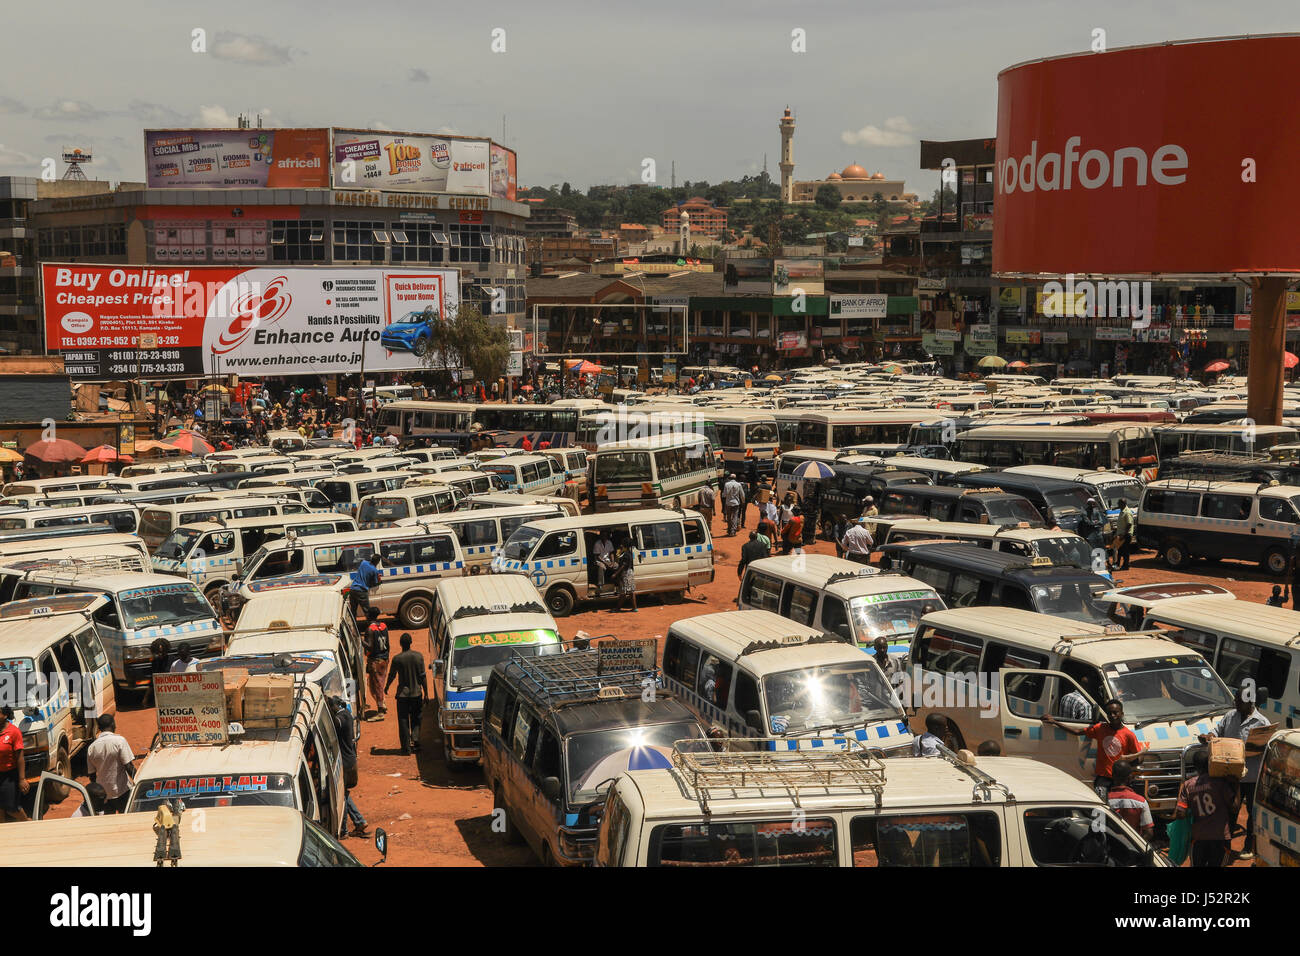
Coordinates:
[364,580]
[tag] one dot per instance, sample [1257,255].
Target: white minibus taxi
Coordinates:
[213,553]
[757,674]
[721,806]
[853,602]
[1062,547]
[529,474]
[1277,802]
[412,561]
[512,499]
[123,517]
[345,491]
[41,486]
[665,471]
[995,672]
[385,508]
[54,672]
[140,609]
[478,622]
[159,521]
[673,551]
[468,482]
[127,549]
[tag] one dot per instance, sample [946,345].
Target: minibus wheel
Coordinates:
[1275,561]
[1175,554]
[559,601]
[415,612]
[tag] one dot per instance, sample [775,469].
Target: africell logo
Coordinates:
[248,307]
[1092,169]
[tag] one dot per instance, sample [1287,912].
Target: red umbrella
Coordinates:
[1018,364]
[190,442]
[57,451]
[583,367]
[1290,360]
[1218,365]
[104,454]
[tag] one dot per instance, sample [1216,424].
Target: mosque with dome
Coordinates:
[854,183]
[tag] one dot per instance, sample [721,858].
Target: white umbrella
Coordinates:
[814,469]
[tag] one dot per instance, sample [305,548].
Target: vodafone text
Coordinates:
[1053,171]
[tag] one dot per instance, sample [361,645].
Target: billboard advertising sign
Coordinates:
[237,158]
[252,321]
[871,306]
[504,173]
[1106,164]
[748,275]
[405,162]
[791,274]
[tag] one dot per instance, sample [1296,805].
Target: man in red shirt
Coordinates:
[1213,803]
[1114,741]
[13,769]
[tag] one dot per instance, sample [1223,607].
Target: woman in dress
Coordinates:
[625,573]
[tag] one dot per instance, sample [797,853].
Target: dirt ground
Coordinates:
[440,817]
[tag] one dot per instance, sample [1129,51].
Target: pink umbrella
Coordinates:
[190,442]
[104,454]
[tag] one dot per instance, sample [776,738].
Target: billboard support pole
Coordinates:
[1267,343]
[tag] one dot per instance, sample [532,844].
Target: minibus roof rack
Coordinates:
[985,783]
[575,677]
[730,767]
[1113,632]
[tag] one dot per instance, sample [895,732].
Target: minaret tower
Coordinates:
[787,156]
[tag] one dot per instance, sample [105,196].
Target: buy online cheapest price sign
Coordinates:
[146,322]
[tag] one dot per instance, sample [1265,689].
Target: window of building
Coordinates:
[297,240]
[356,242]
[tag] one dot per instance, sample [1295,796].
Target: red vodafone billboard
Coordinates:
[1177,158]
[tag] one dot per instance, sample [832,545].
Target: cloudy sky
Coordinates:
[588,90]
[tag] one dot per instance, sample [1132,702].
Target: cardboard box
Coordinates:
[235,679]
[1227,757]
[268,697]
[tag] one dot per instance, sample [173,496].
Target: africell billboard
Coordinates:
[237,158]
[405,162]
[113,322]
[1175,158]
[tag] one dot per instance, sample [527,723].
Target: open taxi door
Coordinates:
[44,786]
[1029,695]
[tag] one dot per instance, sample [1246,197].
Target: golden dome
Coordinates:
[854,171]
[877,175]
[834,177]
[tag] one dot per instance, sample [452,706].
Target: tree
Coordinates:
[828,197]
[466,339]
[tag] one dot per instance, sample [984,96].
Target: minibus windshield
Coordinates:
[1066,501]
[597,757]
[521,544]
[164,604]
[890,615]
[242,790]
[474,655]
[178,544]
[1279,780]
[760,433]
[1070,549]
[1121,493]
[1167,688]
[1013,511]
[1072,599]
[832,697]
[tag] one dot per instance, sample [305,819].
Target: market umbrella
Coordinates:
[991,361]
[147,445]
[56,451]
[1290,359]
[583,367]
[814,469]
[1017,364]
[9,455]
[105,454]
[1218,365]
[525,388]
[190,442]
[773,378]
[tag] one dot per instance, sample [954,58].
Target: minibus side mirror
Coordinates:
[1261,696]
[755,720]
[381,844]
[239,567]
[551,787]
[437,668]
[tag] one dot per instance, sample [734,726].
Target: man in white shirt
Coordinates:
[858,543]
[603,553]
[936,729]
[185,661]
[110,761]
[733,504]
